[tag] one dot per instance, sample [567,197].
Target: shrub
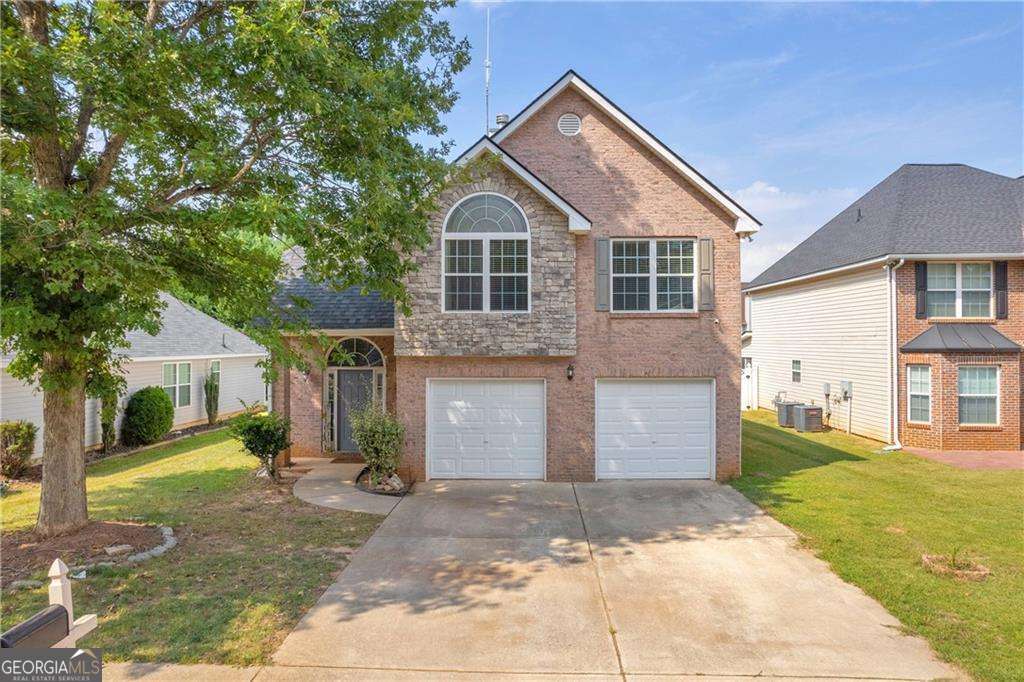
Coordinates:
[148,416]
[379,437]
[263,435]
[211,394]
[17,441]
[108,415]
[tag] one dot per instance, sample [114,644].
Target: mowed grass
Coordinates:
[872,515]
[251,560]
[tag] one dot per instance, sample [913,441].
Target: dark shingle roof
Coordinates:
[959,337]
[329,309]
[185,331]
[919,209]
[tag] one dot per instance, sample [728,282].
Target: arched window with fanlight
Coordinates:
[486,256]
[355,374]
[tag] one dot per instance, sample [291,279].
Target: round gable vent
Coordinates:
[569,124]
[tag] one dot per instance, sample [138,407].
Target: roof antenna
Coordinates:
[487,76]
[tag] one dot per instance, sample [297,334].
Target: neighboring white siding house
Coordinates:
[837,328]
[187,337]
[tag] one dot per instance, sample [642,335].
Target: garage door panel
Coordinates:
[654,429]
[498,429]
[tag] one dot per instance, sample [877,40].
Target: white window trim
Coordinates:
[910,394]
[796,369]
[959,291]
[487,238]
[652,275]
[216,371]
[998,421]
[177,382]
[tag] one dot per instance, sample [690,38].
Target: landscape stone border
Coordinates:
[169,542]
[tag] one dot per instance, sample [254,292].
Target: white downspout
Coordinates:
[894,365]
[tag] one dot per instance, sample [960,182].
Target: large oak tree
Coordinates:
[178,146]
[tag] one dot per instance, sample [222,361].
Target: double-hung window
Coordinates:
[959,290]
[978,395]
[178,382]
[653,275]
[215,371]
[795,371]
[919,393]
[486,262]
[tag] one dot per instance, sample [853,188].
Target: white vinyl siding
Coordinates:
[838,327]
[240,380]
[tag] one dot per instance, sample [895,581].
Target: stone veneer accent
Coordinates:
[945,432]
[550,326]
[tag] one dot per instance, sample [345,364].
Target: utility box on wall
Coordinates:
[846,389]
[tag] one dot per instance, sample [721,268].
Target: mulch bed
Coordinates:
[24,553]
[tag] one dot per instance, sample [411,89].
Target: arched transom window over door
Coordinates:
[486,256]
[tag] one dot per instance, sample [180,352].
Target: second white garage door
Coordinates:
[485,428]
[655,428]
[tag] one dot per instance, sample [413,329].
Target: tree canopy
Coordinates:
[181,145]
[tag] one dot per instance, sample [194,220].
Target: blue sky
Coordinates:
[795,109]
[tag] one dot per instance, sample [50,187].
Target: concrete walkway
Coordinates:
[333,485]
[616,580]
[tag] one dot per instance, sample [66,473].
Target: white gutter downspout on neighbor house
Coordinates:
[894,365]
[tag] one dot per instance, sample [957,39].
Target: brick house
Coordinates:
[576,314]
[914,294]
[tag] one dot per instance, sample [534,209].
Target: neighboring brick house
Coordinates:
[575,316]
[915,294]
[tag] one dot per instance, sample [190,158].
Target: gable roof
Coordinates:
[963,336]
[328,308]
[745,223]
[920,210]
[188,332]
[578,223]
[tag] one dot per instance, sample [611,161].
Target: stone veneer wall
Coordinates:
[945,432]
[548,329]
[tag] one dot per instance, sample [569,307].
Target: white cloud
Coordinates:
[788,218]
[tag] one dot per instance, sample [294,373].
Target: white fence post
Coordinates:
[60,593]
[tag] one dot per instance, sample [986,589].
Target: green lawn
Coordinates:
[251,560]
[872,515]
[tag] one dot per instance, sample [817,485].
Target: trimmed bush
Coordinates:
[17,441]
[148,416]
[211,392]
[379,437]
[264,436]
[108,415]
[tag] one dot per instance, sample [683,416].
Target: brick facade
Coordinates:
[945,432]
[626,191]
[299,396]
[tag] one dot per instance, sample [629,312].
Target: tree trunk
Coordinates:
[62,506]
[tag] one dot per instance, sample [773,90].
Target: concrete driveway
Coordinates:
[611,580]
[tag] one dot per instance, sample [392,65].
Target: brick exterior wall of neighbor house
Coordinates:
[548,329]
[626,191]
[945,431]
[304,400]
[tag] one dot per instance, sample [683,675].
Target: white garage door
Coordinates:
[489,428]
[654,428]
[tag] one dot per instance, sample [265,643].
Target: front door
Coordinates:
[355,389]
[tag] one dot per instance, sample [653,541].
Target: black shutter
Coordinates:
[921,289]
[1000,284]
